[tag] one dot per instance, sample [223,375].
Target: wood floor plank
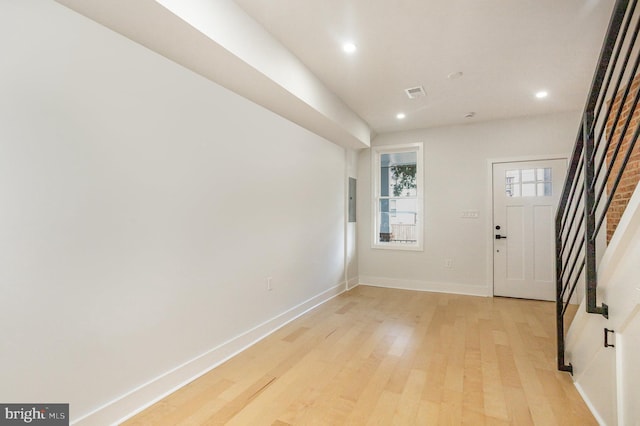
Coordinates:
[293,336]
[241,401]
[390,357]
[428,413]
[372,390]
[518,407]
[494,401]
[410,401]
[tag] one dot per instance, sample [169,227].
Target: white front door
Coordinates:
[525,198]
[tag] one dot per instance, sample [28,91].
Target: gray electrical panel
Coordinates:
[352,199]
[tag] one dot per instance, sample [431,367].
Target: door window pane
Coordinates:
[528,175]
[529,189]
[544,189]
[513,176]
[528,182]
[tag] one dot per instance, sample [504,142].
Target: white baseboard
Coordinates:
[353,283]
[587,401]
[436,287]
[133,402]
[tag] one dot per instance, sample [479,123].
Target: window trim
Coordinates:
[376,154]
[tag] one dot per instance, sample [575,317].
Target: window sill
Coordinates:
[399,247]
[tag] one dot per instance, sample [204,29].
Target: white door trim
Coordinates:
[489,204]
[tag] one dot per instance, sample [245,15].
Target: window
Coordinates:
[528,183]
[397,196]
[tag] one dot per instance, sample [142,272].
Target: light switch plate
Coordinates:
[469,214]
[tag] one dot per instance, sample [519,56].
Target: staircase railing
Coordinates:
[598,181]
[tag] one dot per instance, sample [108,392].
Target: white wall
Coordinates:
[457,177]
[141,209]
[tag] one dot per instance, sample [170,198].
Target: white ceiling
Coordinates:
[507,50]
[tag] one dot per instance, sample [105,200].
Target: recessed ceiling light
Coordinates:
[454,75]
[349,47]
[401,115]
[542,94]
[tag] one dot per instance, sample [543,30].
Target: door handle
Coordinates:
[501,237]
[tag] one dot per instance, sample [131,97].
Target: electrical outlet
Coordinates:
[448,263]
[269,287]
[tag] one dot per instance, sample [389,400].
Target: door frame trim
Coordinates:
[489,207]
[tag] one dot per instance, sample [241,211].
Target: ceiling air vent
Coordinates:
[415,92]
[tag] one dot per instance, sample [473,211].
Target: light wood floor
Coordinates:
[391,357]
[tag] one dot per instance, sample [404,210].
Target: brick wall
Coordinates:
[631,175]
